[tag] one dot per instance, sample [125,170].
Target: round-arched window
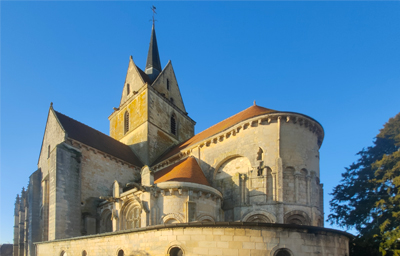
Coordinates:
[121,253]
[176,251]
[84,253]
[63,253]
[282,252]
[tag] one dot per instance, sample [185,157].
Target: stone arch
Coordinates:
[106,221]
[175,249]
[289,184]
[297,217]
[171,217]
[232,165]
[279,251]
[263,216]
[131,212]
[223,161]
[63,253]
[205,217]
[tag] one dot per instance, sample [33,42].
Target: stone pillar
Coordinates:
[16,226]
[34,202]
[279,168]
[190,208]
[296,187]
[308,181]
[21,215]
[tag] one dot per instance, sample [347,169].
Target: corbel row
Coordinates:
[180,191]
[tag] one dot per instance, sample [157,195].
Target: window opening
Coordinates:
[133,218]
[176,251]
[48,151]
[282,252]
[128,89]
[84,253]
[172,100]
[121,253]
[173,125]
[126,122]
[167,84]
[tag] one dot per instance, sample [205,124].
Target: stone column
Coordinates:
[296,187]
[16,226]
[308,179]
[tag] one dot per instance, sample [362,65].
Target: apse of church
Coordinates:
[248,185]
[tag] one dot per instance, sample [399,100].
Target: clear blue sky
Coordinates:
[337,62]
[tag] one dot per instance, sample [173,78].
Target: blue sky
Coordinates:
[337,62]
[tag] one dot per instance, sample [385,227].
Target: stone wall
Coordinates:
[234,239]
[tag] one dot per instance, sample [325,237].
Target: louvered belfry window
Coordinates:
[126,122]
[173,125]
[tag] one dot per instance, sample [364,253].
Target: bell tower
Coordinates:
[151,117]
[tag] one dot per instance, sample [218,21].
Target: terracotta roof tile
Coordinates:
[93,138]
[219,127]
[187,170]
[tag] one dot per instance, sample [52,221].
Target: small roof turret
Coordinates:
[153,64]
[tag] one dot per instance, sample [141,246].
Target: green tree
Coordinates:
[368,196]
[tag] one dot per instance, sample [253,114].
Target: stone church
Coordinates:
[249,185]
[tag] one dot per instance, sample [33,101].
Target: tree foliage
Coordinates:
[368,196]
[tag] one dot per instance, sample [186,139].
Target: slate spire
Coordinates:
[153,64]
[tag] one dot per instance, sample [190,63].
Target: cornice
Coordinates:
[266,119]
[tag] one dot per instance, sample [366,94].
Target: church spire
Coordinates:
[153,64]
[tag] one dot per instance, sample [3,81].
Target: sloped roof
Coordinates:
[219,127]
[187,170]
[93,138]
[144,76]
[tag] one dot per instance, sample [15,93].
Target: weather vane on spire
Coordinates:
[154,12]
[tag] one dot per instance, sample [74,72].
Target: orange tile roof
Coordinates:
[187,170]
[219,127]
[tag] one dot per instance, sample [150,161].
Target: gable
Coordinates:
[167,85]
[54,134]
[135,79]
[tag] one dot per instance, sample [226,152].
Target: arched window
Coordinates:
[133,218]
[173,125]
[176,251]
[282,252]
[128,89]
[126,122]
[121,253]
[63,253]
[84,253]
[167,84]
[172,100]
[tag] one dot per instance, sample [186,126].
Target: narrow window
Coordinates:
[48,151]
[172,100]
[128,89]
[121,253]
[126,122]
[84,253]
[173,125]
[167,84]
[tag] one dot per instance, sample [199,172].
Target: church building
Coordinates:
[248,185]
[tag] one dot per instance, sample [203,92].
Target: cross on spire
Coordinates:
[153,8]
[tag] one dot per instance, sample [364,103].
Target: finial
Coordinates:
[51,104]
[254,104]
[154,12]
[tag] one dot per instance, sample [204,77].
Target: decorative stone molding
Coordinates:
[294,118]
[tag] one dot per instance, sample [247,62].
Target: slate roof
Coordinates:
[153,57]
[145,77]
[187,170]
[217,128]
[100,141]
